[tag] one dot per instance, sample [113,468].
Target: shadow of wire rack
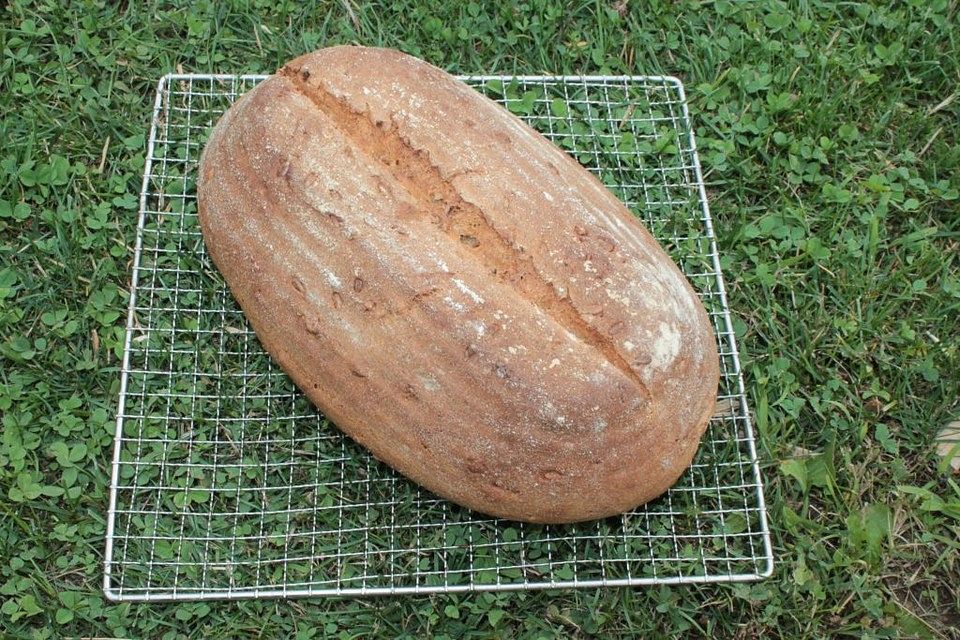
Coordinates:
[227,483]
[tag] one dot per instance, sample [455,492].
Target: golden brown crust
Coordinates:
[454,292]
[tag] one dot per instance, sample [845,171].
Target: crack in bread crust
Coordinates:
[438,201]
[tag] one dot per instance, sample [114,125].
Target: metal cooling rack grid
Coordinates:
[227,483]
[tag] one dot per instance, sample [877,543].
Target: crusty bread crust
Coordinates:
[453,291]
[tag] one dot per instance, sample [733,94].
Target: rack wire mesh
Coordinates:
[228,483]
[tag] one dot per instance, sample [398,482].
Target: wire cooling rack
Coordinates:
[227,483]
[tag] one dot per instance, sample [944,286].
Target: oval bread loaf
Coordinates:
[453,291]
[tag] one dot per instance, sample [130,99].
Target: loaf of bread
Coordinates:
[453,291]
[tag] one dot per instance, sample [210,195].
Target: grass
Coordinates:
[829,138]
